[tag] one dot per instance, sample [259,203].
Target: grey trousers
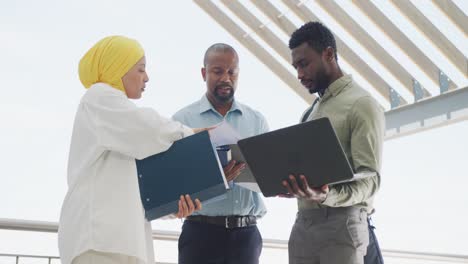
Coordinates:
[329,236]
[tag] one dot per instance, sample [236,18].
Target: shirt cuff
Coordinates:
[186,131]
[330,200]
[169,217]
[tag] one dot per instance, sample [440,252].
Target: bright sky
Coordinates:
[422,205]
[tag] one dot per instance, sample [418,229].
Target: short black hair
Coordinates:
[318,36]
[218,47]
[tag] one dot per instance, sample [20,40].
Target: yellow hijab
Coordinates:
[109,60]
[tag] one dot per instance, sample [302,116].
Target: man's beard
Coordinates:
[319,88]
[321,83]
[224,98]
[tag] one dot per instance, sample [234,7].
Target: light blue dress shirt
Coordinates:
[247,122]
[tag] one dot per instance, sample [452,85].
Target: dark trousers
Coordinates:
[201,243]
[374,255]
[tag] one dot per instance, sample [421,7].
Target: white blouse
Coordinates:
[102,209]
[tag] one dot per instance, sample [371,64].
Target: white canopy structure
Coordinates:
[412,55]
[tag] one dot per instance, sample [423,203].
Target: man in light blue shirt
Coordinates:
[224,231]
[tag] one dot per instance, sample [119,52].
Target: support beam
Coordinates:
[285,24]
[275,15]
[438,111]
[433,34]
[256,25]
[454,13]
[256,49]
[348,54]
[405,44]
[368,42]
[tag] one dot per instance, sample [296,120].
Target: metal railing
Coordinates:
[18,256]
[52,227]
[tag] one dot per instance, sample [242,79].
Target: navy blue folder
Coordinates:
[190,166]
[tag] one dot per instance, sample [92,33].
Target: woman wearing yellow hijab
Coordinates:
[102,218]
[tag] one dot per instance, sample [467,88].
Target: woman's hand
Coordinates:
[187,207]
[198,130]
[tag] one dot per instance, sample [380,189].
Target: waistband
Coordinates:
[332,211]
[233,221]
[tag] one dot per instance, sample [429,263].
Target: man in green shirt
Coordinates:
[331,225]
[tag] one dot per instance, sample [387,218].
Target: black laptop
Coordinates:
[311,148]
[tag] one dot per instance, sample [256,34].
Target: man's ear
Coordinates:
[329,54]
[203,73]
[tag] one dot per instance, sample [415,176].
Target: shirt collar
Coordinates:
[108,89]
[205,106]
[337,86]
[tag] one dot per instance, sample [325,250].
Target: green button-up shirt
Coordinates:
[359,123]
